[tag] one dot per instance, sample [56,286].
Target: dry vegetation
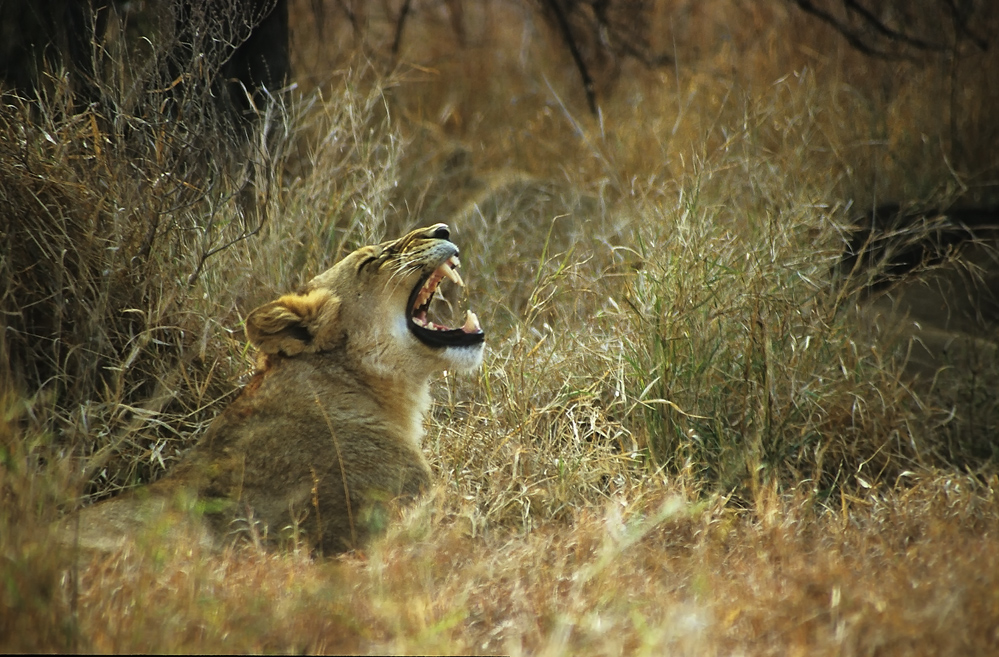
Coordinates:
[681,441]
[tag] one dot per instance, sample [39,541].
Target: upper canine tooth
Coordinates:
[455,277]
[452,274]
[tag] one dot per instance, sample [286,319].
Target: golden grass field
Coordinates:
[685,438]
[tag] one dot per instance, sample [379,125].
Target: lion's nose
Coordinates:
[442,233]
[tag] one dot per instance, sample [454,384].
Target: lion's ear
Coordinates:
[295,323]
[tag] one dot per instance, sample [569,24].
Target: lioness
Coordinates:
[328,430]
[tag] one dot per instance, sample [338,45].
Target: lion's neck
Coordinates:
[405,401]
[389,399]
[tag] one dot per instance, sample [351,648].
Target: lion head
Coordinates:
[374,305]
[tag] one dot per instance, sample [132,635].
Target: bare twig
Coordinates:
[577,57]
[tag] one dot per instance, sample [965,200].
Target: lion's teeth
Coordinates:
[452,274]
[471,323]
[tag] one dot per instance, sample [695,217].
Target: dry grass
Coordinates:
[679,442]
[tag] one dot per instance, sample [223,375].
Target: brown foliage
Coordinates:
[681,440]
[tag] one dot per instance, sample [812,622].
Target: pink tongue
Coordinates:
[420,319]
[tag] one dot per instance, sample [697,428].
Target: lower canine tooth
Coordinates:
[471,323]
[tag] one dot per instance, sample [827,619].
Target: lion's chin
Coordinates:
[463,359]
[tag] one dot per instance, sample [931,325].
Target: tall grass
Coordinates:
[744,368]
[744,358]
[682,438]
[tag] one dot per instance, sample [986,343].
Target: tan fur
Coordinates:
[326,436]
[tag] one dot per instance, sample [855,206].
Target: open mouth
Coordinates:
[431,333]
